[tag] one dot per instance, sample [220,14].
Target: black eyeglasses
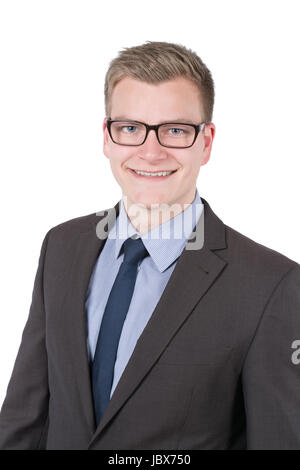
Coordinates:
[134,133]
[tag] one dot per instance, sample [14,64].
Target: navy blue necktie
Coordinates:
[112,323]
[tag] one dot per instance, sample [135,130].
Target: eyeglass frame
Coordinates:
[198,128]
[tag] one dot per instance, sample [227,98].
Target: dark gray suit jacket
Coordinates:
[215,367]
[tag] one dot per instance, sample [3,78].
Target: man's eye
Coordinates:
[177,131]
[129,129]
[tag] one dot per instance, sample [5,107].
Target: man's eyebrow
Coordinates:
[182,120]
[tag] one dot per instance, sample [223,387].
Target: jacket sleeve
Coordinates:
[271,371]
[24,412]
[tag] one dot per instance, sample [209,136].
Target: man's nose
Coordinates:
[152,145]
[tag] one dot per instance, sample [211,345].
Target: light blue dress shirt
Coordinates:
[165,244]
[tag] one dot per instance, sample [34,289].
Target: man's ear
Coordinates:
[105,138]
[209,135]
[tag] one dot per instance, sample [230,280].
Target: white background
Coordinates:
[54,55]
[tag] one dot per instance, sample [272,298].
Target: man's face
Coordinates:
[173,100]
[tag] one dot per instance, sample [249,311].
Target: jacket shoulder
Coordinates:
[78,224]
[257,257]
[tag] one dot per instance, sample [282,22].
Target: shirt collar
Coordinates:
[165,242]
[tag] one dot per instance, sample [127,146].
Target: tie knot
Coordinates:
[134,251]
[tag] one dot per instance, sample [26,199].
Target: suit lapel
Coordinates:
[198,268]
[87,250]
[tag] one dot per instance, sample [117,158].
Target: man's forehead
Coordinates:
[131,117]
[176,101]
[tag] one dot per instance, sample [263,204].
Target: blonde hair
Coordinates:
[155,62]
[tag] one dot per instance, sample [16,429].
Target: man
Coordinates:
[144,336]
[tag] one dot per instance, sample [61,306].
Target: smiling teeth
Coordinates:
[161,173]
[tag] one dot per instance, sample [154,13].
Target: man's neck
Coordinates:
[145,218]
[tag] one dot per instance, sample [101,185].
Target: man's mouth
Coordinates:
[152,174]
